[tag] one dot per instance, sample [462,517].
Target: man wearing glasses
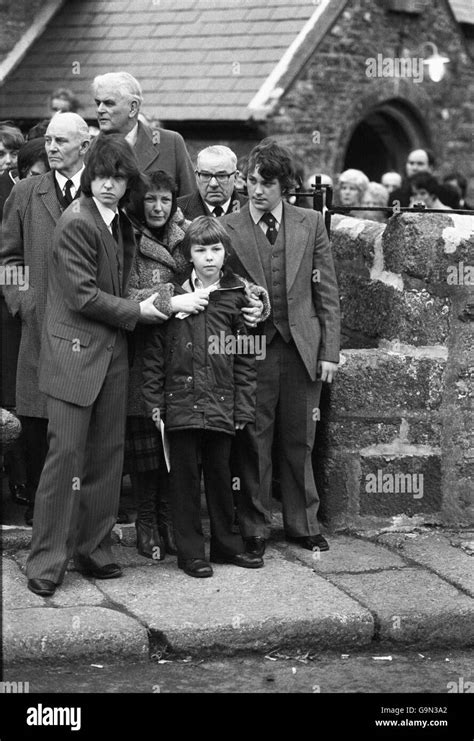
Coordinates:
[216,168]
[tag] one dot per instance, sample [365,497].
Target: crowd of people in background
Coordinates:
[418,188]
[192,239]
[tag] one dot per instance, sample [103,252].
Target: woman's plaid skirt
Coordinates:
[143,446]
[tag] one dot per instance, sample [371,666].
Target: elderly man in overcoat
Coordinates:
[31,213]
[118,97]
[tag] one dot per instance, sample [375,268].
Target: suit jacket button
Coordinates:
[189,345]
[189,379]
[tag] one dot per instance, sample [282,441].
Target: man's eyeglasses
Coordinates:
[221,177]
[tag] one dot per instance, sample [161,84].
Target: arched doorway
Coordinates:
[382,140]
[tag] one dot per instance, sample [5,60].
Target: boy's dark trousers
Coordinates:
[190,452]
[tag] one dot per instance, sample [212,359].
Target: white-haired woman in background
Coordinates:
[352,185]
[375,195]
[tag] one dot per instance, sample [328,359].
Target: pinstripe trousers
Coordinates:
[78,494]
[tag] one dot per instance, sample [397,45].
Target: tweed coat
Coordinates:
[161,149]
[156,266]
[30,216]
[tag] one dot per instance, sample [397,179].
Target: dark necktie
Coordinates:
[67,192]
[218,211]
[115,228]
[272,232]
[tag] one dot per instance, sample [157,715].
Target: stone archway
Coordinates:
[381,140]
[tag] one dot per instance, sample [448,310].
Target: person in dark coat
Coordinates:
[199,378]
[216,171]
[158,263]
[159,229]
[31,213]
[118,97]
[83,372]
[32,161]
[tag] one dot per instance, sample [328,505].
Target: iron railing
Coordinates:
[319,189]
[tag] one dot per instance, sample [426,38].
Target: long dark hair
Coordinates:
[111,156]
[29,153]
[157,180]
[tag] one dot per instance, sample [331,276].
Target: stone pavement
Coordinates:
[382,590]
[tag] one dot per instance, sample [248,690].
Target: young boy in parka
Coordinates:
[199,378]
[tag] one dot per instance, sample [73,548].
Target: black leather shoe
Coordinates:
[43,587]
[255,546]
[196,567]
[149,541]
[246,560]
[311,542]
[109,571]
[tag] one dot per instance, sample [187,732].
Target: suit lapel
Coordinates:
[296,237]
[198,206]
[108,242]
[247,251]
[146,150]
[128,246]
[47,192]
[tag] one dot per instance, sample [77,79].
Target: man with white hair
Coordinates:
[31,212]
[118,97]
[216,170]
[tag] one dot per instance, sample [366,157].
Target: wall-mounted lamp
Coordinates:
[435,63]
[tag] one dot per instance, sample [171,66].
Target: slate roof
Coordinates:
[463,10]
[195,59]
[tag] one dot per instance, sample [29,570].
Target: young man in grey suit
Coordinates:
[118,97]
[31,213]
[286,250]
[84,372]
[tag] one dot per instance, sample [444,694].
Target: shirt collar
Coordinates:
[132,135]
[196,283]
[62,179]
[224,206]
[106,212]
[257,215]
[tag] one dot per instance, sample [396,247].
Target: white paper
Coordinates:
[166,445]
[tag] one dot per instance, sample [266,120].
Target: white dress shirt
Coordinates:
[224,206]
[106,213]
[256,215]
[132,136]
[62,180]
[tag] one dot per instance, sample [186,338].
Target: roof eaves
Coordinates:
[40,22]
[294,58]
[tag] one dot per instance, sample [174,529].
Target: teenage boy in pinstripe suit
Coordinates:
[84,371]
